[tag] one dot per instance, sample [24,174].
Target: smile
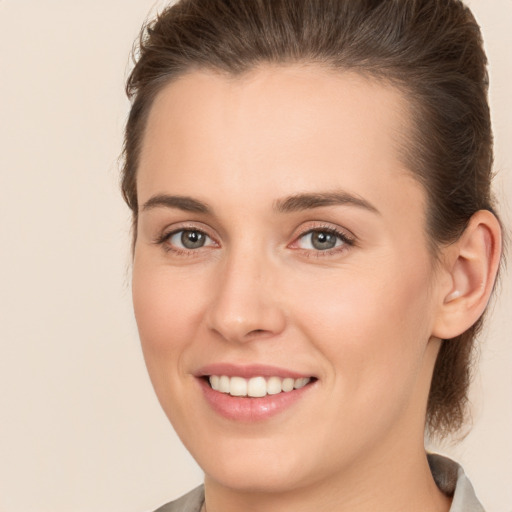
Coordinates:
[255,387]
[254,392]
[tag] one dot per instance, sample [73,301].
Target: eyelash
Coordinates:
[166,236]
[347,241]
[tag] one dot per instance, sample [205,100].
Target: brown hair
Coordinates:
[430,49]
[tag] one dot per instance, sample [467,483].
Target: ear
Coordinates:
[469,268]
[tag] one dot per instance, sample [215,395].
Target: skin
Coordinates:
[361,318]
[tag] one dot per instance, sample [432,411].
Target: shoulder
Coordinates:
[452,480]
[190,502]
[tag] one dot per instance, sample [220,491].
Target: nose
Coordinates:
[245,305]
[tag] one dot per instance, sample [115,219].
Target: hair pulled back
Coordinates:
[430,49]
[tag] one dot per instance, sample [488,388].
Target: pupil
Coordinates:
[192,239]
[322,240]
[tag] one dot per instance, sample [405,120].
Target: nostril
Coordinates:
[244,320]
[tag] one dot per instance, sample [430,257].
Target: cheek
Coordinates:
[168,309]
[372,325]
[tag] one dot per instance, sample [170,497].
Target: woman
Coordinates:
[314,245]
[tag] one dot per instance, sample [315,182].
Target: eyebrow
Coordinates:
[307,201]
[294,203]
[185,203]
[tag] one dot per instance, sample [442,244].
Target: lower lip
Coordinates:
[249,409]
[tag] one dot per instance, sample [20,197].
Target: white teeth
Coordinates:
[300,383]
[224,384]
[238,386]
[256,386]
[288,384]
[274,386]
[214,382]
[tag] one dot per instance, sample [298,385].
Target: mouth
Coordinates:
[256,387]
[252,393]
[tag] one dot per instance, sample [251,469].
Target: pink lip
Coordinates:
[247,371]
[247,409]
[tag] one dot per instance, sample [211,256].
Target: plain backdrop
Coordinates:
[80,428]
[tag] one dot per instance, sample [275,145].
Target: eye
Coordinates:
[322,240]
[189,239]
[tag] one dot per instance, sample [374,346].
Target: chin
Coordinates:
[256,478]
[257,465]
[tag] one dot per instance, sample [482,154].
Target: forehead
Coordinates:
[295,127]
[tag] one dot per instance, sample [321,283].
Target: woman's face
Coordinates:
[281,241]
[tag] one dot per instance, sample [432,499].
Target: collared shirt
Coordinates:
[448,475]
[451,479]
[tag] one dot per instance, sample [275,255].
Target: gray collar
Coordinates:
[451,479]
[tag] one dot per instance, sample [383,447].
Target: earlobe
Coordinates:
[471,265]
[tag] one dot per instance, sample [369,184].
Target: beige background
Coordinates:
[80,429]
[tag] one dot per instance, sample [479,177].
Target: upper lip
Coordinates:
[248,371]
